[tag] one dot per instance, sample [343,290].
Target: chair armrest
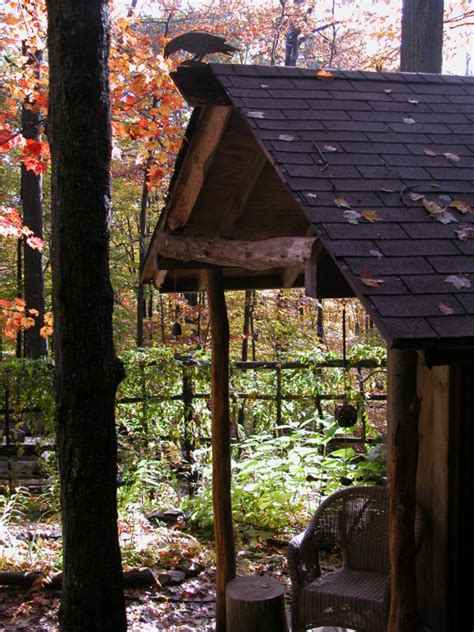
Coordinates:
[303,559]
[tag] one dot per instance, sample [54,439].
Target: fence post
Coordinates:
[188,444]
[278,400]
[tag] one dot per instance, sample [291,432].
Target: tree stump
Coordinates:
[255,604]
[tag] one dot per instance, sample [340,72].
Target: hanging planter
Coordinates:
[346,415]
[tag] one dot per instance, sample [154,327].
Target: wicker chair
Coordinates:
[358,595]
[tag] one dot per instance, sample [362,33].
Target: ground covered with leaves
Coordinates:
[187,606]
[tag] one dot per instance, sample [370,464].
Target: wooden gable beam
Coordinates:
[196,164]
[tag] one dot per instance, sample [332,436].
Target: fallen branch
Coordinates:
[133,577]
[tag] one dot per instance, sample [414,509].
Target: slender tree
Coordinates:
[32,202]
[87,371]
[422,36]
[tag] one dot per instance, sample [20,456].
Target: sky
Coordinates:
[459,43]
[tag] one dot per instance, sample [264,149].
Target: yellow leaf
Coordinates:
[462,207]
[370,215]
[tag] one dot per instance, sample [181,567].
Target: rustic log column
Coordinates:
[221,451]
[403,409]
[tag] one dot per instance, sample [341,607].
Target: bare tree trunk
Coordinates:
[141,305]
[32,201]
[87,370]
[422,36]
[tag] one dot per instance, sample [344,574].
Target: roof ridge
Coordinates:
[353,75]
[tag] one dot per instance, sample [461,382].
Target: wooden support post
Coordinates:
[403,411]
[221,449]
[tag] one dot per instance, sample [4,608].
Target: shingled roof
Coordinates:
[359,142]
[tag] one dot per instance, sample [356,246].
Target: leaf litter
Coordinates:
[184,608]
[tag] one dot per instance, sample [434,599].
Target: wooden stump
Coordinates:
[255,604]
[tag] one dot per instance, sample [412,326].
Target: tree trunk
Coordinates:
[221,449]
[31,196]
[422,36]
[87,371]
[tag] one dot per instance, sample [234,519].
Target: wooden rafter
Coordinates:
[244,190]
[198,159]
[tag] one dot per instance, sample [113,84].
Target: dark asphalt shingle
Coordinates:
[380,140]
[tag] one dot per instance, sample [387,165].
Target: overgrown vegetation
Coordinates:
[280,471]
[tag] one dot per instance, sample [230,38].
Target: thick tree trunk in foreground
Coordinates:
[87,371]
[32,203]
[221,450]
[403,409]
[422,36]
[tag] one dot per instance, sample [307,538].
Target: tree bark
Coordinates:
[221,448]
[87,371]
[403,411]
[422,36]
[32,202]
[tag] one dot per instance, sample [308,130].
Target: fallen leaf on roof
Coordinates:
[462,207]
[264,85]
[445,309]
[370,215]
[445,218]
[459,281]
[259,115]
[324,74]
[453,157]
[415,197]
[341,202]
[386,190]
[413,101]
[408,120]
[388,91]
[286,137]
[433,207]
[429,152]
[311,195]
[330,148]
[464,232]
[367,277]
[352,216]
[375,253]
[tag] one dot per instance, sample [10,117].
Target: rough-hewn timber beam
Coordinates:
[250,255]
[198,159]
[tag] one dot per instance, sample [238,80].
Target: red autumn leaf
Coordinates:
[367,277]
[324,74]
[445,309]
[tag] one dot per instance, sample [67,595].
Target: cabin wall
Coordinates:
[444,494]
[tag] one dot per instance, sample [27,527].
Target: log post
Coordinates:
[221,449]
[255,604]
[403,411]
